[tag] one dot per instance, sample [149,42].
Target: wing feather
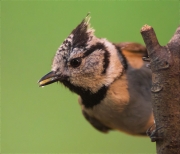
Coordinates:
[133,53]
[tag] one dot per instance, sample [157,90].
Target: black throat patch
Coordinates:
[89,99]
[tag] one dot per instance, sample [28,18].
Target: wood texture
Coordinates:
[165,66]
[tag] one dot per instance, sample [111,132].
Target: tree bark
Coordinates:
[165,66]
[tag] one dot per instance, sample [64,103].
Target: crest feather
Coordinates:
[82,32]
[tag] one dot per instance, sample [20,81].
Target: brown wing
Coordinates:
[133,52]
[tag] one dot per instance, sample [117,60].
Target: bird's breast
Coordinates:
[109,111]
[120,112]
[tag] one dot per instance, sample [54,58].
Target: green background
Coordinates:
[49,120]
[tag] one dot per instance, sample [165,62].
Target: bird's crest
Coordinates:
[79,37]
[82,33]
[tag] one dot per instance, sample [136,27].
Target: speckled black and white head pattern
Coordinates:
[101,62]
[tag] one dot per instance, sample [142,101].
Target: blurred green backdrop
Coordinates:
[48,120]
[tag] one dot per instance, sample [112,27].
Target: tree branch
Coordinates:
[165,66]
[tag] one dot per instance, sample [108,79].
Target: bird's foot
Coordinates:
[146,59]
[152,132]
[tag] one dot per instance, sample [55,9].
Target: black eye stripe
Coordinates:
[93,48]
[99,46]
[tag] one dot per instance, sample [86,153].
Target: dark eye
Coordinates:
[75,62]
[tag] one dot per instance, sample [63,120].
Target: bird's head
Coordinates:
[84,62]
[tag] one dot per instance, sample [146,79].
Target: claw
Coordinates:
[152,133]
[146,59]
[148,66]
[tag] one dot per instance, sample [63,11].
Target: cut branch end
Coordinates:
[146,28]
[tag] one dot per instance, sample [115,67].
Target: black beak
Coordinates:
[49,78]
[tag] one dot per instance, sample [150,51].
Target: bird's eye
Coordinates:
[75,62]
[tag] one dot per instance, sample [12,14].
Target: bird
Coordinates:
[111,80]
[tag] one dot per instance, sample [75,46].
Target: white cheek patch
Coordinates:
[115,68]
[90,76]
